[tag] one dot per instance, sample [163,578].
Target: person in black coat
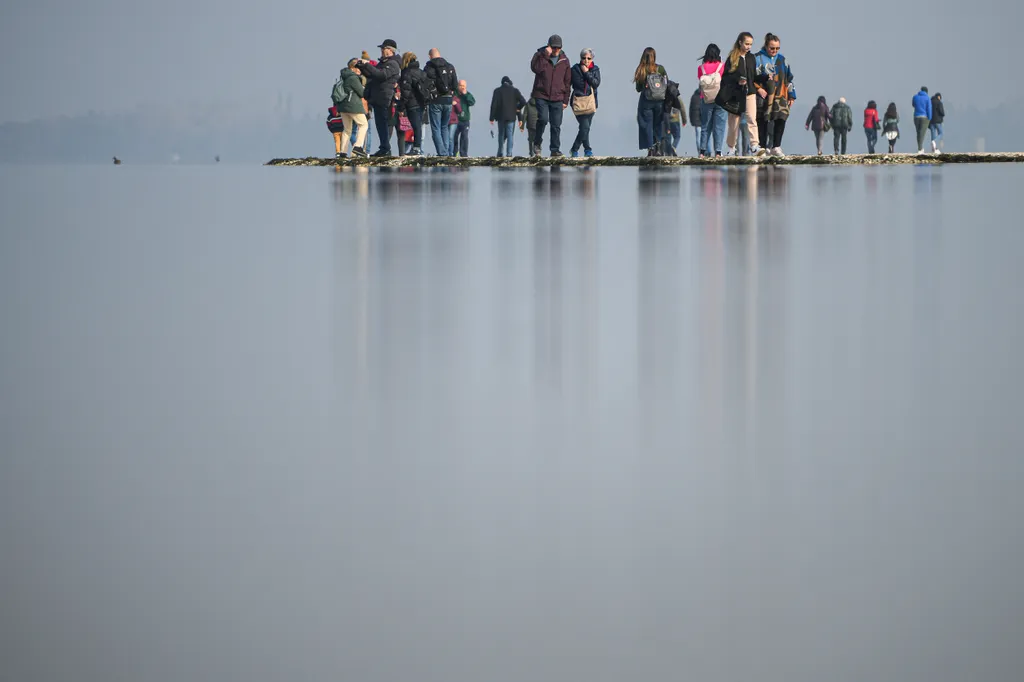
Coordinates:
[935,126]
[585,79]
[741,85]
[380,89]
[507,106]
[413,85]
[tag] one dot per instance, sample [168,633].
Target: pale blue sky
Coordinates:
[113,55]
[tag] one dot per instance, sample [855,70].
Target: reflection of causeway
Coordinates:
[400,184]
[710,290]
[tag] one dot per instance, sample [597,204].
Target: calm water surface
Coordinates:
[496,426]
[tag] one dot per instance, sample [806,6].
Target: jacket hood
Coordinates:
[506,80]
[347,72]
[413,65]
[438,61]
[821,100]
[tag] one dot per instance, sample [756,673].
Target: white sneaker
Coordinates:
[777,151]
[732,151]
[757,151]
[920,151]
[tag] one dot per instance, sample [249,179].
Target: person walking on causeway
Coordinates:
[586,79]
[819,120]
[842,124]
[922,116]
[741,86]
[872,124]
[891,126]
[713,118]
[651,83]
[552,87]
[507,107]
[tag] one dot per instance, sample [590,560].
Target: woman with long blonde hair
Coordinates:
[741,85]
[651,82]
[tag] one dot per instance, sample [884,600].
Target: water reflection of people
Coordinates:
[658,182]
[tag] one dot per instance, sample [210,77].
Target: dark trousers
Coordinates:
[650,117]
[461,141]
[763,128]
[583,136]
[381,114]
[415,115]
[549,112]
[839,138]
[778,130]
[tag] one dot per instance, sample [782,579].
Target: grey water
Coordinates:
[504,425]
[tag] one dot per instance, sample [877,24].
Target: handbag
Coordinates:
[583,105]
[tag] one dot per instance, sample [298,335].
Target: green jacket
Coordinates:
[842,117]
[467,101]
[352,103]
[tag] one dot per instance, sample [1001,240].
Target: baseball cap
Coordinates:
[388,43]
[555,41]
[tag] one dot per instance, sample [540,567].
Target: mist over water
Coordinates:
[503,425]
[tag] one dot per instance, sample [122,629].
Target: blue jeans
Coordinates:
[936,130]
[452,127]
[583,136]
[872,136]
[506,129]
[650,120]
[713,120]
[439,131]
[549,112]
[380,119]
[676,129]
[460,141]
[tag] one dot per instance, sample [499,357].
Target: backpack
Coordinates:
[710,84]
[657,86]
[445,84]
[426,90]
[339,94]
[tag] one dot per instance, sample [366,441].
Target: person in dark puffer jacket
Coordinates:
[551,91]
[938,116]
[381,81]
[586,79]
[413,83]
[507,106]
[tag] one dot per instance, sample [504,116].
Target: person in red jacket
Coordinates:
[872,125]
[551,90]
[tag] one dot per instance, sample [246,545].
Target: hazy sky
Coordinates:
[115,55]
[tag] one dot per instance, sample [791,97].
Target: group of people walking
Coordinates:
[929,115]
[741,104]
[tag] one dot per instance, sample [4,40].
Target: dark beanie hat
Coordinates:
[505,80]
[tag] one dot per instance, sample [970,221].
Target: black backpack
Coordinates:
[445,84]
[426,90]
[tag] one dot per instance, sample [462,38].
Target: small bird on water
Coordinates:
[117,161]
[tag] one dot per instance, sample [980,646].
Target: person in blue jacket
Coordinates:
[585,78]
[922,116]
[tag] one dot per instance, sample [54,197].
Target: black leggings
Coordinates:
[778,129]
